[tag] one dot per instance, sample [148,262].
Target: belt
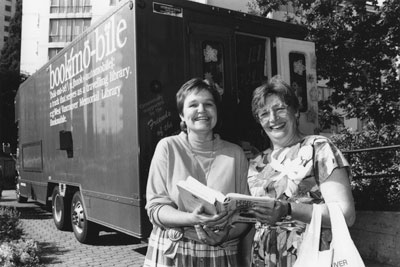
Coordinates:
[174,236]
[177,234]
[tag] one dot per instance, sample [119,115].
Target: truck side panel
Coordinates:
[89,90]
[31,150]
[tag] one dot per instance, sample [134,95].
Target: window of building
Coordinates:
[114,2]
[8,8]
[7,18]
[65,30]
[53,52]
[5,38]
[6,28]
[70,6]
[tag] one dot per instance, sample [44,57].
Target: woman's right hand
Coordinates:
[220,220]
[270,215]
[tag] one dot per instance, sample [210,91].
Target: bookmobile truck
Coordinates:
[89,119]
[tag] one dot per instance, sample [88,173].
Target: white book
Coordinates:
[194,194]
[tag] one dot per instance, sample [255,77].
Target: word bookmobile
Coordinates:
[75,76]
[106,43]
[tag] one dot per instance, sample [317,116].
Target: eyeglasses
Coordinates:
[265,115]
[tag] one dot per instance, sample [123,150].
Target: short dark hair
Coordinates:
[275,86]
[196,85]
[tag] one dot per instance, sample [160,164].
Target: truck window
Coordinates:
[32,159]
[298,79]
[213,63]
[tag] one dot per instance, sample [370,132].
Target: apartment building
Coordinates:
[7,10]
[49,25]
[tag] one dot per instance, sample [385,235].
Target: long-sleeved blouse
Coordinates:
[218,164]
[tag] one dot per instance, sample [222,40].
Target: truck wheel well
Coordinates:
[69,192]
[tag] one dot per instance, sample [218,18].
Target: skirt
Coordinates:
[164,252]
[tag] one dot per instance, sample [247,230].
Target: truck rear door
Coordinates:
[210,57]
[297,65]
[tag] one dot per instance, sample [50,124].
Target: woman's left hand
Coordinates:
[211,237]
[270,215]
[220,220]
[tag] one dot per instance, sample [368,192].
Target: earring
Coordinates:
[183,126]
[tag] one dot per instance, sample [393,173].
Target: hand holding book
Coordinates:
[194,194]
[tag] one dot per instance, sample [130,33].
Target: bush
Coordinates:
[14,251]
[19,253]
[382,192]
[10,225]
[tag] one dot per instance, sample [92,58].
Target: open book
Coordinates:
[194,194]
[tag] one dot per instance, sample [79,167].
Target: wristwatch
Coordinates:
[289,209]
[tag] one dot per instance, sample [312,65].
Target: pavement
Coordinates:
[60,248]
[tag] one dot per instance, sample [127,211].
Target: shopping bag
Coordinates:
[345,252]
[309,254]
[342,252]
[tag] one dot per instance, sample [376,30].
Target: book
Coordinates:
[194,194]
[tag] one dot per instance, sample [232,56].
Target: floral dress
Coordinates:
[294,174]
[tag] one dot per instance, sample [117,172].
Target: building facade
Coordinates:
[7,10]
[49,25]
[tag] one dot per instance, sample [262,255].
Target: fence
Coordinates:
[376,177]
[376,190]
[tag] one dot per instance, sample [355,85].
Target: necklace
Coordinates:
[199,161]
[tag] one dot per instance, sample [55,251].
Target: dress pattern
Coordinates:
[294,174]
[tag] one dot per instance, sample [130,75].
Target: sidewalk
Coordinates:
[62,249]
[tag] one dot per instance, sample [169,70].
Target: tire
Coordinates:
[60,208]
[20,199]
[85,231]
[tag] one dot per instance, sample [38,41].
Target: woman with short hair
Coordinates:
[297,170]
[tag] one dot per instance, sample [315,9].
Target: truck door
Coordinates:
[210,57]
[253,68]
[296,63]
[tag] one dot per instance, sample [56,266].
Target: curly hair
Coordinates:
[275,86]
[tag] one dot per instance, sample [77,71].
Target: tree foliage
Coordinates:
[10,54]
[357,46]
[10,77]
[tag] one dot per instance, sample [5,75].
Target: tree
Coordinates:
[10,78]
[357,46]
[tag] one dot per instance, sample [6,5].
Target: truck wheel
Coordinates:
[20,199]
[84,230]
[60,210]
